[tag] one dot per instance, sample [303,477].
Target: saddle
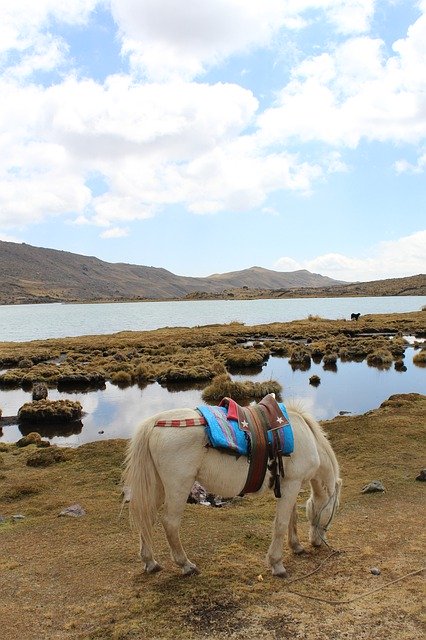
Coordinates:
[264,424]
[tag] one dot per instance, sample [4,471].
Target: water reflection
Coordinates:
[114,413]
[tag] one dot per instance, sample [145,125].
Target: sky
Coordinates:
[208,136]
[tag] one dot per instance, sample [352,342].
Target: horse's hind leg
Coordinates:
[293,538]
[173,510]
[147,557]
[284,512]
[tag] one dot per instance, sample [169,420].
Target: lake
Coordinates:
[114,412]
[20,323]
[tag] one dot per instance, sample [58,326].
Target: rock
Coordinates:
[17,517]
[422,476]
[39,391]
[2,520]
[373,487]
[75,511]
[375,571]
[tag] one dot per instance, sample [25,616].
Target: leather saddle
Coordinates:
[258,421]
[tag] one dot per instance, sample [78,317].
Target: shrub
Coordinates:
[314,380]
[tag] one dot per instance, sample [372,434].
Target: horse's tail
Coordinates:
[141,482]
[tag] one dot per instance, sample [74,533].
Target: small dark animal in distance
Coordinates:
[355,316]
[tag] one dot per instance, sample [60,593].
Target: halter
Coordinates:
[317,519]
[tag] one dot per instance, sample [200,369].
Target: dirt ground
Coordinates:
[79,578]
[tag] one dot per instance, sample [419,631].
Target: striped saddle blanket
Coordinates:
[260,432]
[224,431]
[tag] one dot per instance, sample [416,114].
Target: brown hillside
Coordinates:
[33,274]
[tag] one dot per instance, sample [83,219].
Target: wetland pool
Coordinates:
[115,412]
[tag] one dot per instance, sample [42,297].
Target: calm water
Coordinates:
[114,412]
[41,321]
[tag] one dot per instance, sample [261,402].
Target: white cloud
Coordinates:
[115,232]
[403,166]
[204,146]
[164,40]
[24,30]
[392,259]
[355,92]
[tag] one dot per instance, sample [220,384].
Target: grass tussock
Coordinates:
[380,358]
[222,386]
[48,457]
[420,358]
[45,411]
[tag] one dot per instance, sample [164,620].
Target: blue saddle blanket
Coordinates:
[226,434]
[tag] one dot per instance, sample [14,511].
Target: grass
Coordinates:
[79,578]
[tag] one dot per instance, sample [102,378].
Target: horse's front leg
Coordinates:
[173,510]
[283,515]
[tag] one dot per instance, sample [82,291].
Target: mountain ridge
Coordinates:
[36,274]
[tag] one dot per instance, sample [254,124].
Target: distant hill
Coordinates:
[33,274]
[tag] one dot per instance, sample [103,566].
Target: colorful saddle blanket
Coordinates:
[224,432]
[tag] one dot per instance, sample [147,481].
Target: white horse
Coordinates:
[163,463]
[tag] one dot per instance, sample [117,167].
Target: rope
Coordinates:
[311,573]
[359,596]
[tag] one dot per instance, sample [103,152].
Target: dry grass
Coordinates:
[79,578]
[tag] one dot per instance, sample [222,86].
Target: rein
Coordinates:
[316,522]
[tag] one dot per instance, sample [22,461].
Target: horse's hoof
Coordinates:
[280,574]
[190,571]
[279,571]
[298,551]
[153,567]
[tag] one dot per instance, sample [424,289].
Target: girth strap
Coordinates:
[254,421]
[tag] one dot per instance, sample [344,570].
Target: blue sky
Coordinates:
[208,136]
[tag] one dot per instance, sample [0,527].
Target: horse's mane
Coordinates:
[296,406]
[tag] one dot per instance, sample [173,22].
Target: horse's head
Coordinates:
[320,514]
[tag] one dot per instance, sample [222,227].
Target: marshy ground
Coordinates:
[207,355]
[63,578]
